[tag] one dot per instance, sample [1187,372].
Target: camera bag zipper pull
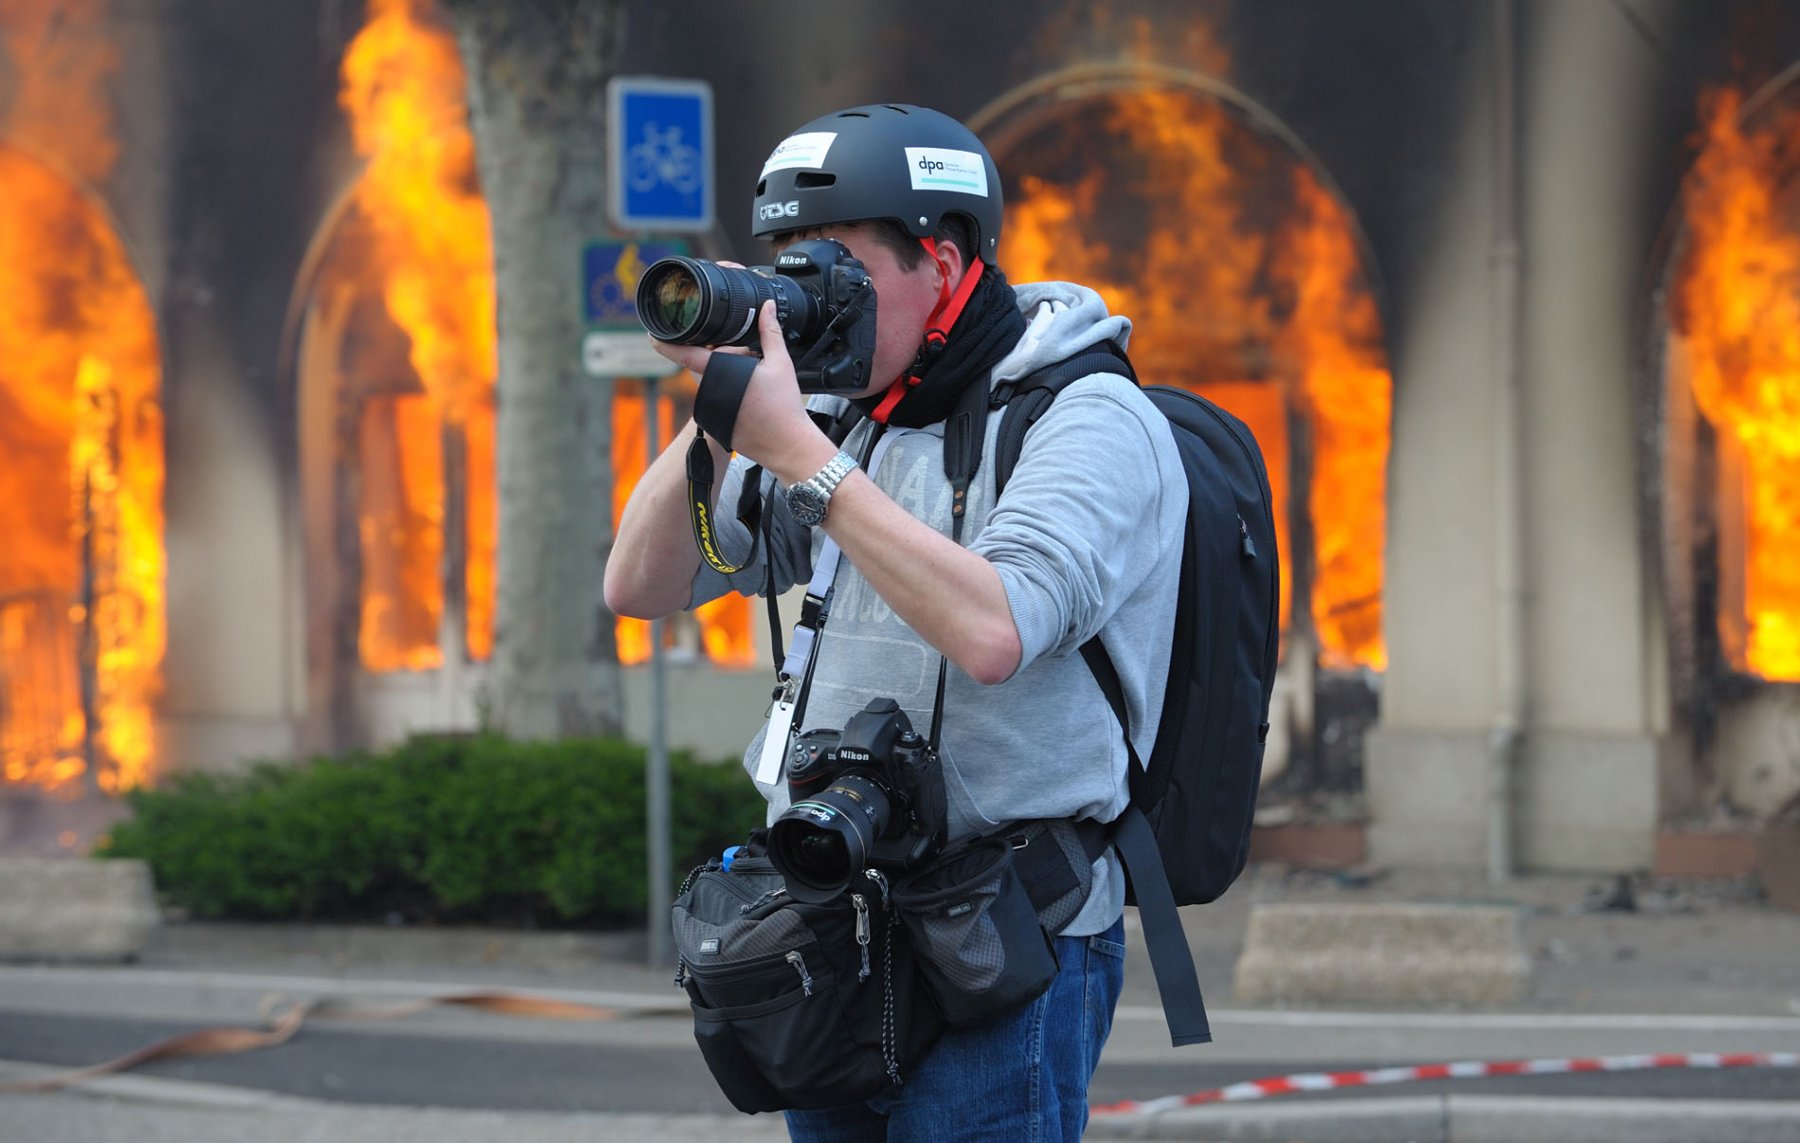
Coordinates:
[862,932]
[794,958]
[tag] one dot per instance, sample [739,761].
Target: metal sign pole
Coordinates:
[659,179]
[656,779]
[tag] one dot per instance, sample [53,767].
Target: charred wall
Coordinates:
[250,149]
[1371,88]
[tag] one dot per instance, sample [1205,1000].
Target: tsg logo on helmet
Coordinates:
[772,211]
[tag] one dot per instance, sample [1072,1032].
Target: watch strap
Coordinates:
[816,489]
[826,480]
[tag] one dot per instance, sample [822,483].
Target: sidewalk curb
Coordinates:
[1469,1119]
[121,1107]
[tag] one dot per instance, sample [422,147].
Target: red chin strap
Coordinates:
[937,330]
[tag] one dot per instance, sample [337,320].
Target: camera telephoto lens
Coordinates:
[675,301]
[819,844]
[690,301]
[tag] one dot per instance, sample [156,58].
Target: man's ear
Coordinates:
[951,267]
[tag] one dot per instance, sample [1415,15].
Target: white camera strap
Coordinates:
[789,694]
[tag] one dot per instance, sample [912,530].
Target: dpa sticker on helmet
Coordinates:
[804,150]
[936,168]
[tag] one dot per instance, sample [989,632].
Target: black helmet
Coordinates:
[887,160]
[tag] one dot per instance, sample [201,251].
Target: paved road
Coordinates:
[1699,975]
[651,1074]
[645,1060]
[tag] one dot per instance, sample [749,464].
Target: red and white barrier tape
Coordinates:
[1468,1069]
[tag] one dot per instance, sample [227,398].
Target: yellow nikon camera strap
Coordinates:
[700,510]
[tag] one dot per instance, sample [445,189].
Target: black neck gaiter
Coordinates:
[986,331]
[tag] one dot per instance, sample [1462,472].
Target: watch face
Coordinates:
[806,504]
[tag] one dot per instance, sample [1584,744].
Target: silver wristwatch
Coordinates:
[809,499]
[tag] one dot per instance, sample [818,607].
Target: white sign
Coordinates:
[806,149]
[938,168]
[623,353]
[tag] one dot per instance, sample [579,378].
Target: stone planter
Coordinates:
[71,908]
[1778,862]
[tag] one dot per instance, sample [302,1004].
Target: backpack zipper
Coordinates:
[765,899]
[881,883]
[1272,643]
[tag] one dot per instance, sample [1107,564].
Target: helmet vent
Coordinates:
[808,180]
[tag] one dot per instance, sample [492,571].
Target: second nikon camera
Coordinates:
[869,795]
[822,296]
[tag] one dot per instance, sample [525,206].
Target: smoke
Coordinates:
[59,60]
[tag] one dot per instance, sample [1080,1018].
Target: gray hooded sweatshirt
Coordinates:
[1087,540]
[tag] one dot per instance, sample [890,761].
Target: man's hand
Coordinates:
[772,426]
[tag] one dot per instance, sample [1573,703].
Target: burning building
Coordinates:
[81,429]
[1505,289]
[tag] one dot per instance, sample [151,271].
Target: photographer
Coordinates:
[1085,541]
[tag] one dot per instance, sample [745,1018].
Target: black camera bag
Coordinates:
[797,1005]
[982,951]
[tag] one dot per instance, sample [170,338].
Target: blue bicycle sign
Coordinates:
[661,141]
[663,158]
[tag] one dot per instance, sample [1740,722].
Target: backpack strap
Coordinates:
[1027,398]
[965,432]
[1171,959]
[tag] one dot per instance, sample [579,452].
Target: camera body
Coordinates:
[823,298]
[871,794]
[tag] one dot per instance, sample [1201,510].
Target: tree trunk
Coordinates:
[537,104]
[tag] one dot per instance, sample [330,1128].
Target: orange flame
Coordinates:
[1737,305]
[403,90]
[726,635]
[403,85]
[1333,339]
[1241,275]
[82,620]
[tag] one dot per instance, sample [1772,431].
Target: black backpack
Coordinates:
[1186,834]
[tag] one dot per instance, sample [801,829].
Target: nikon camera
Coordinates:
[870,795]
[822,295]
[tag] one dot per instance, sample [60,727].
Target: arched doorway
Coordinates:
[1728,336]
[1194,212]
[393,347]
[82,618]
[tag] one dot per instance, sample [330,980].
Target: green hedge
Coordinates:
[444,829]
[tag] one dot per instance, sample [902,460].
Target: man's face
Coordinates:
[904,299]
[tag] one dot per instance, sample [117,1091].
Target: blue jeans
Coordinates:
[1022,1077]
